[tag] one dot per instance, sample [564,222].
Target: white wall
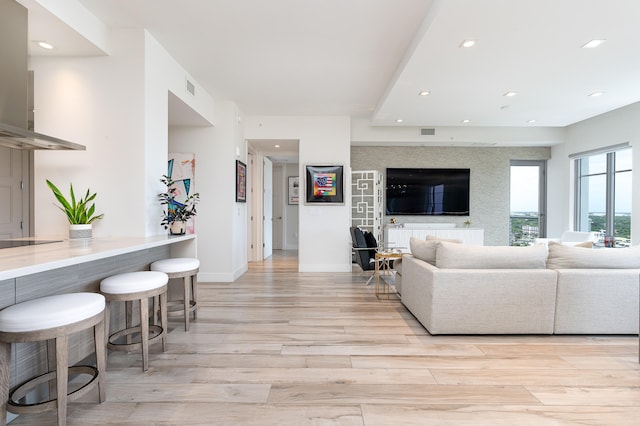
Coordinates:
[97,102]
[221,223]
[117,106]
[559,192]
[324,241]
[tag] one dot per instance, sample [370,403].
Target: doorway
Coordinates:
[528,195]
[273,218]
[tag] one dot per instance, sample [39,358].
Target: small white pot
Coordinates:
[80,231]
[178,227]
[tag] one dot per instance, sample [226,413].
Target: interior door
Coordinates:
[278,207]
[12,222]
[267,210]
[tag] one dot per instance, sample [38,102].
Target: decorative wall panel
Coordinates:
[366,201]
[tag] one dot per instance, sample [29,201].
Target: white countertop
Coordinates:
[20,261]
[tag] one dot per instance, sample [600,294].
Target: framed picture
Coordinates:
[241,182]
[324,184]
[294,189]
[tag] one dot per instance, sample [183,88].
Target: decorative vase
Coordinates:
[80,231]
[178,227]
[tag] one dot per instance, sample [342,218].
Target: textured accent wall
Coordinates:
[489,186]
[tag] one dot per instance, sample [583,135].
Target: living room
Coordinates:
[185,123]
[354,83]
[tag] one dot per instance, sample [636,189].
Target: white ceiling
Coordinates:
[370,58]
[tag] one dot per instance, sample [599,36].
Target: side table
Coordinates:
[383,267]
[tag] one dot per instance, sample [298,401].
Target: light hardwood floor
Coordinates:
[278,347]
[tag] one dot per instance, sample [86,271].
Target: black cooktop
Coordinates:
[22,243]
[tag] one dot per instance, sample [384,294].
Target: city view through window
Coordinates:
[524,217]
[524,228]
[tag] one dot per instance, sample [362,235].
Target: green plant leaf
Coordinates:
[77,211]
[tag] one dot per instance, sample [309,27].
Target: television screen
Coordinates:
[438,192]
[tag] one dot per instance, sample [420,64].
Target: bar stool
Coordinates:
[52,319]
[130,287]
[186,268]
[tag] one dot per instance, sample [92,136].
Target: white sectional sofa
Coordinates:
[458,289]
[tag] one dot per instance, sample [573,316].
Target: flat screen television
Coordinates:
[436,192]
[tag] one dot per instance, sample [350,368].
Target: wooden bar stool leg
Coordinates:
[155,310]
[187,302]
[164,320]
[5,380]
[51,366]
[101,359]
[62,378]
[144,332]
[128,308]
[107,320]
[194,293]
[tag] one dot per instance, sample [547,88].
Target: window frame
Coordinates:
[610,175]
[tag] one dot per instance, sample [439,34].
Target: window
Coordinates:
[603,194]
[527,201]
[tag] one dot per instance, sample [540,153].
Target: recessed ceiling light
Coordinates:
[45,45]
[510,94]
[596,94]
[466,120]
[531,121]
[467,43]
[424,93]
[399,120]
[277,146]
[593,43]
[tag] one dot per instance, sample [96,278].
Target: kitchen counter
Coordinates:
[20,261]
[67,266]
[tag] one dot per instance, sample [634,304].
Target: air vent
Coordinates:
[191,88]
[427,132]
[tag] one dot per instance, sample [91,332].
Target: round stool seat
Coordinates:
[133,282]
[178,264]
[50,312]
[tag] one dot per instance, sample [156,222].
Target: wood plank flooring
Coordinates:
[278,347]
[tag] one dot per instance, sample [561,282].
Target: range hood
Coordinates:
[14,90]
[17,138]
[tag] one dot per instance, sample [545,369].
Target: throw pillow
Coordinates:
[567,257]
[425,250]
[460,256]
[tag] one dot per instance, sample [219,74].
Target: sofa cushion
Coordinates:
[460,256]
[425,250]
[570,257]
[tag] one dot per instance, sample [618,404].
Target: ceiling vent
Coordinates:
[191,88]
[427,132]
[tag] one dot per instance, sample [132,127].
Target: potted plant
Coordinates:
[180,207]
[80,213]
